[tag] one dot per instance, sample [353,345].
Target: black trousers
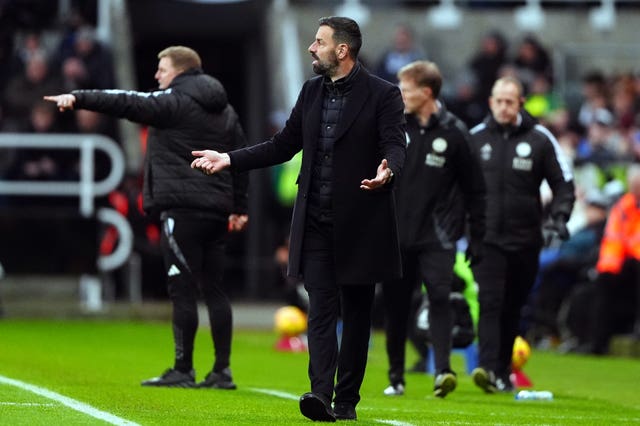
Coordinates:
[505,279]
[434,268]
[193,249]
[328,300]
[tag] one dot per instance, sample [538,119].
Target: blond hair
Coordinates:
[424,74]
[182,58]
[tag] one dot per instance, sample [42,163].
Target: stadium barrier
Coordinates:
[31,235]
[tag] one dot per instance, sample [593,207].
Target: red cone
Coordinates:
[291,344]
[520,380]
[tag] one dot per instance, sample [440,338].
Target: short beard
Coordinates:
[327,68]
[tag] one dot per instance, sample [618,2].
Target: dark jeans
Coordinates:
[434,268]
[504,279]
[327,300]
[193,249]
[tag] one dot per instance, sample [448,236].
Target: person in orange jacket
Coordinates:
[619,267]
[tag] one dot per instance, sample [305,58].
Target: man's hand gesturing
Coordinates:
[209,161]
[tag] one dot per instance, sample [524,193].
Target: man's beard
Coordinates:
[326,68]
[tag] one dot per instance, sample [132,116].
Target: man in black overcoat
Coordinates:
[349,125]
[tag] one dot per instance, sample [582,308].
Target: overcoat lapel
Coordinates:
[312,118]
[356,100]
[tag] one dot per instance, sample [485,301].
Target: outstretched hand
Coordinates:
[209,161]
[383,175]
[63,102]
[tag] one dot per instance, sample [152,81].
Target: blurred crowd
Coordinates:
[46,58]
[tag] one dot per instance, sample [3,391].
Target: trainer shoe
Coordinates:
[221,380]
[445,383]
[504,384]
[174,379]
[344,411]
[394,390]
[484,379]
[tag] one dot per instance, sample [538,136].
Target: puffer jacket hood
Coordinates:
[207,91]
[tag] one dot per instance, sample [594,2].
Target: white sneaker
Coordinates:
[394,390]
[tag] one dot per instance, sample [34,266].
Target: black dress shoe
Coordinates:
[316,408]
[345,411]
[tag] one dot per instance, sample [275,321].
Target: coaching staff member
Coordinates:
[190,111]
[441,190]
[516,155]
[349,125]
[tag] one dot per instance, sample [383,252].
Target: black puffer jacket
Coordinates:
[191,114]
[515,161]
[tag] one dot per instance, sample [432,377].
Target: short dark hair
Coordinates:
[345,30]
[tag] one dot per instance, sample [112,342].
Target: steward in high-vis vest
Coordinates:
[621,238]
[617,310]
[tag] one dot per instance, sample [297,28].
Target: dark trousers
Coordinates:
[327,300]
[504,279]
[193,249]
[617,305]
[434,268]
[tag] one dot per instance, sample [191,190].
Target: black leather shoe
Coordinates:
[173,378]
[316,408]
[345,411]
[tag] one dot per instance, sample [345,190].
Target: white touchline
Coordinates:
[69,402]
[393,422]
[28,404]
[279,394]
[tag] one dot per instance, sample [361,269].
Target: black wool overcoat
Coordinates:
[371,128]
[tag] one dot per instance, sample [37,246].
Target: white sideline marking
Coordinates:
[69,402]
[393,422]
[279,394]
[27,404]
[287,395]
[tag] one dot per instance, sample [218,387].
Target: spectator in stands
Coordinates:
[624,101]
[464,101]
[532,59]
[24,90]
[541,101]
[74,74]
[601,145]
[486,63]
[189,111]
[29,46]
[404,50]
[91,122]
[564,266]
[595,96]
[89,65]
[618,282]
[40,164]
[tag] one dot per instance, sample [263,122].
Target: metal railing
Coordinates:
[86,189]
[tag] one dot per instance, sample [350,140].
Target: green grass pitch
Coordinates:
[100,364]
